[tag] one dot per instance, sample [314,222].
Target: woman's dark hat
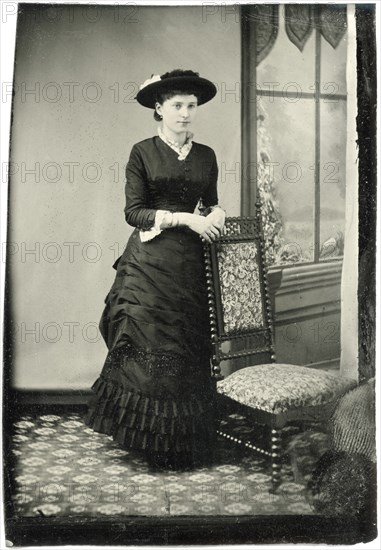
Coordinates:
[147,95]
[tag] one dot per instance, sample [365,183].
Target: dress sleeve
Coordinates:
[210,196]
[137,212]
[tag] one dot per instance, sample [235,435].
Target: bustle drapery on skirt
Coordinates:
[155,392]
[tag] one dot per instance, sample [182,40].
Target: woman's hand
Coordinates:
[217,217]
[204,226]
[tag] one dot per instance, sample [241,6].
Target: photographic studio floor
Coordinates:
[60,467]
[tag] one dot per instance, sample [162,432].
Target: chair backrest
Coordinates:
[239,305]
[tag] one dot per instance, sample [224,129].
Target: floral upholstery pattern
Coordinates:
[277,388]
[240,287]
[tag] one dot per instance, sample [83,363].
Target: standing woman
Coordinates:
[155,393]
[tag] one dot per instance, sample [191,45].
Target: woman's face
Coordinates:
[178,112]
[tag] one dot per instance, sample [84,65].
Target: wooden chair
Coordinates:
[267,393]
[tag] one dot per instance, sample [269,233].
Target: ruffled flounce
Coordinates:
[147,423]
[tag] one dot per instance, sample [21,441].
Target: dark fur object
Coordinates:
[344,481]
[344,484]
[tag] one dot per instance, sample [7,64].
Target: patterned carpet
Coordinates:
[63,468]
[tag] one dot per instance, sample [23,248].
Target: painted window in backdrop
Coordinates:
[300,58]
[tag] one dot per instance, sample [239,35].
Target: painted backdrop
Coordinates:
[75,121]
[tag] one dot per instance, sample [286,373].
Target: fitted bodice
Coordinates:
[158,180]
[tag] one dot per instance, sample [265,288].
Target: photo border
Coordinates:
[192,530]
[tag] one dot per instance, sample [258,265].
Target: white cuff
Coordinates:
[155,230]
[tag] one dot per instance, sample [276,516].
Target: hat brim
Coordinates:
[205,89]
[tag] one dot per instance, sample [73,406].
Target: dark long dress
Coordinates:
[155,392]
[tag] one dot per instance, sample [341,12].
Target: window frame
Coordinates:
[249,192]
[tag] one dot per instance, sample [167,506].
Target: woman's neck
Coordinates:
[178,138]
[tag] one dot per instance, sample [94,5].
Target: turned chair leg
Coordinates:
[276,464]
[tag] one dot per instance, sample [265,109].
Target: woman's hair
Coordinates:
[164,94]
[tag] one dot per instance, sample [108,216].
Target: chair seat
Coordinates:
[279,388]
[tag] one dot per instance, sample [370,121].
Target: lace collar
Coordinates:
[182,150]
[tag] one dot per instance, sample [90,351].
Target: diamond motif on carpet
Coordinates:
[62,468]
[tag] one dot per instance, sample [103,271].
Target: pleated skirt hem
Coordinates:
[165,430]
